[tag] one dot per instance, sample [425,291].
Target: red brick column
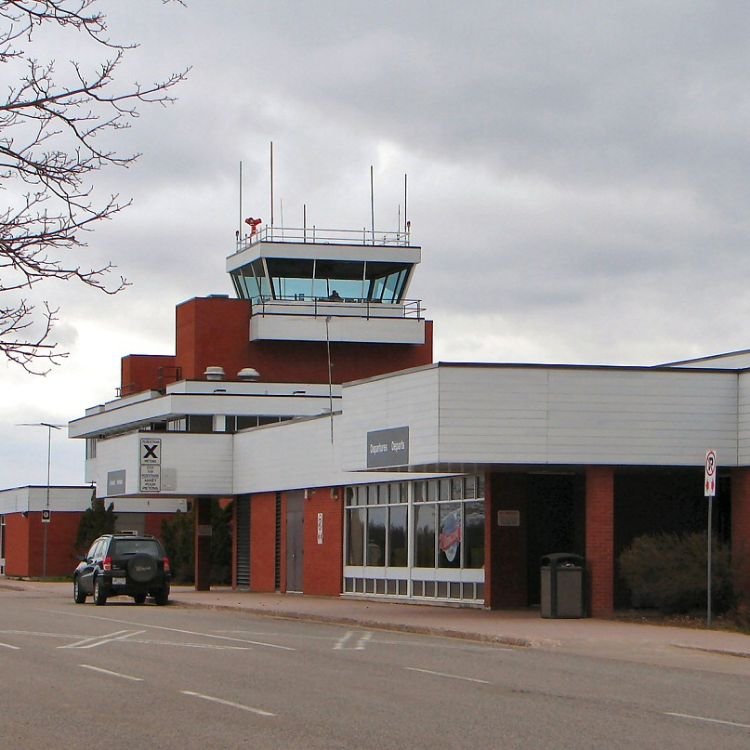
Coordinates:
[741,531]
[600,538]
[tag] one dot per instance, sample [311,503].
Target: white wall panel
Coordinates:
[409,399]
[200,464]
[296,455]
[34,498]
[586,415]
[743,421]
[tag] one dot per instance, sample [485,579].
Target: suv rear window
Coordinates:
[133,546]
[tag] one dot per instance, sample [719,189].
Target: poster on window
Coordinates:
[449,537]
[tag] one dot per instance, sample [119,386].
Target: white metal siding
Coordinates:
[406,400]
[586,416]
[202,464]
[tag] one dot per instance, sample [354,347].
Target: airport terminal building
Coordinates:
[357,466]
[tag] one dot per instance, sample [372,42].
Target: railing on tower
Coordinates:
[323,237]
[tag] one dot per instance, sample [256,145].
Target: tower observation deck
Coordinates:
[337,285]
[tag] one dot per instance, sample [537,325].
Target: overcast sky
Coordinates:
[578,173]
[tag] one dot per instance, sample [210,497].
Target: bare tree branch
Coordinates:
[53,134]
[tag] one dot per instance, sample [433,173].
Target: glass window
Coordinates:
[376,536]
[362,494]
[397,536]
[351,494]
[291,279]
[424,536]
[383,494]
[432,490]
[445,489]
[457,488]
[372,494]
[450,535]
[474,535]
[420,491]
[355,536]
[395,493]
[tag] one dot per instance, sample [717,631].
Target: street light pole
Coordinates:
[49,427]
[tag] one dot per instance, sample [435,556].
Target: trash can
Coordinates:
[562,586]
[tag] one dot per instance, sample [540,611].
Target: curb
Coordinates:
[499,640]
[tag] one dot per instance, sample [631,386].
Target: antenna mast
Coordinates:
[372,205]
[272,185]
[239,231]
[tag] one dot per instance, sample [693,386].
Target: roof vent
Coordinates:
[214,373]
[248,373]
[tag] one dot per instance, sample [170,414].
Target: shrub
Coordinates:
[668,572]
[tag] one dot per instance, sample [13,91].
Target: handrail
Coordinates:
[315,307]
[324,237]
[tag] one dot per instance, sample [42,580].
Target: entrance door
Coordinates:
[2,545]
[295,518]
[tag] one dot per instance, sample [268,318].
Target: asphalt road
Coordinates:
[124,676]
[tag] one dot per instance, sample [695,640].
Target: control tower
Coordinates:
[328,285]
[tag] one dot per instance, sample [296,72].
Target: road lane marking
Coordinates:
[111,674]
[342,643]
[214,646]
[709,720]
[174,630]
[7,645]
[450,676]
[231,704]
[98,640]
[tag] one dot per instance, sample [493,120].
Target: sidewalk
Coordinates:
[517,628]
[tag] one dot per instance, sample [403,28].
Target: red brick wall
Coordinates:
[600,539]
[741,531]
[143,372]
[323,563]
[263,541]
[505,547]
[212,331]
[16,545]
[215,331]
[24,544]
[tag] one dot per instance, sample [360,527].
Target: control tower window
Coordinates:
[291,279]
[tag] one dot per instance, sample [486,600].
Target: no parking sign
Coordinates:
[709,483]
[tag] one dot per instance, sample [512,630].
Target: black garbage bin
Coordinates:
[563,586]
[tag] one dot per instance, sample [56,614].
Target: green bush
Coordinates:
[668,572]
[95,521]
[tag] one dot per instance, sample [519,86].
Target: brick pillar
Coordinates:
[741,532]
[202,510]
[600,539]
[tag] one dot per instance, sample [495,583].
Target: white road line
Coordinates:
[341,642]
[7,645]
[174,630]
[707,719]
[231,704]
[122,637]
[214,646]
[112,674]
[451,676]
[362,642]
[91,638]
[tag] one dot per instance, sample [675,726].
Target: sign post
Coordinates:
[709,490]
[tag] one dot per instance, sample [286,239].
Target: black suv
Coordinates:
[123,564]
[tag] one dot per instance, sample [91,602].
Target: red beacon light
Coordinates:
[253,224]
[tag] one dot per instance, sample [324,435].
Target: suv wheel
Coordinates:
[139,598]
[99,596]
[161,597]
[78,596]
